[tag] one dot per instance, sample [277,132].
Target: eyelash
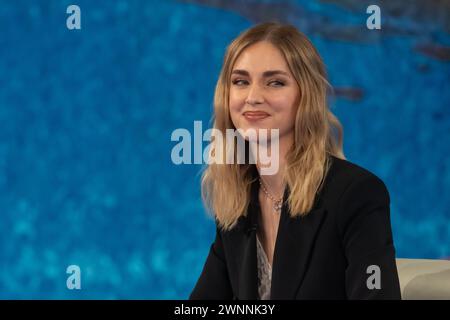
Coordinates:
[281,84]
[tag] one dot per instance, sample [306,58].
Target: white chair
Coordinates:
[424,279]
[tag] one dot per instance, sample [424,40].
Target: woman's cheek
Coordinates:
[234,114]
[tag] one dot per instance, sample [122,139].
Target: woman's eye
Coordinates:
[239,82]
[276,83]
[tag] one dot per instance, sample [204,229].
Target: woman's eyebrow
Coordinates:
[266,74]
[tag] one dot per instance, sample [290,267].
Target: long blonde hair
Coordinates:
[226,188]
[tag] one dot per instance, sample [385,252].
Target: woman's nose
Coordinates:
[254,96]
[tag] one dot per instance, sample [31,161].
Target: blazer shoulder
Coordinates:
[345,175]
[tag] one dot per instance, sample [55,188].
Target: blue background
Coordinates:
[86,116]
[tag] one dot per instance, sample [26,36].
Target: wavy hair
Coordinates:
[226,188]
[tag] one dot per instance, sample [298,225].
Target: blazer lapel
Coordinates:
[243,241]
[248,276]
[293,248]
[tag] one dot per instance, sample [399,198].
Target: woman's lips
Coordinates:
[255,115]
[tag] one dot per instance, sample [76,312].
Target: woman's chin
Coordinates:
[256,134]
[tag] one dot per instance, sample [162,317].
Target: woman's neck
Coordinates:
[275,182]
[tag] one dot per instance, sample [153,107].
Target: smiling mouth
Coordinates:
[255,115]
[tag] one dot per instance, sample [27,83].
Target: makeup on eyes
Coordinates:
[280,83]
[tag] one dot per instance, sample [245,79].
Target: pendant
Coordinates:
[277,206]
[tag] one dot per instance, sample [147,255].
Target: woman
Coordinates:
[319,228]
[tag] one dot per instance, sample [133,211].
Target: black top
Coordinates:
[325,255]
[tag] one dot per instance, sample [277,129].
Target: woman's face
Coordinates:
[263,92]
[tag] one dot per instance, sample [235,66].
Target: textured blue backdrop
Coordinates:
[86,117]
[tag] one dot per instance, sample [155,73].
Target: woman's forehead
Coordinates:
[259,57]
[262,52]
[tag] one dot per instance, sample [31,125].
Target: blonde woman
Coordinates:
[319,228]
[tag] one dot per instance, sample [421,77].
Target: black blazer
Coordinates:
[324,255]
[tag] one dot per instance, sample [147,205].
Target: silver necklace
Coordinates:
[277,203]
